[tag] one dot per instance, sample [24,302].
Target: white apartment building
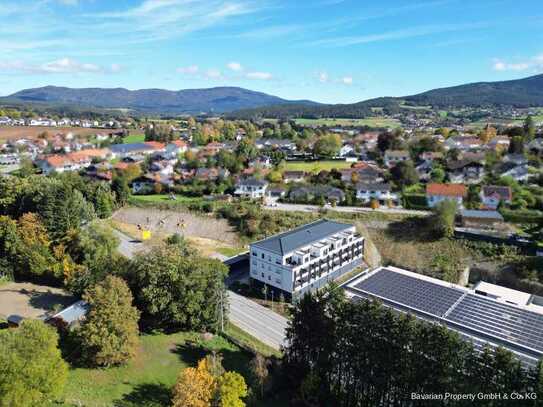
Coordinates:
[306,258]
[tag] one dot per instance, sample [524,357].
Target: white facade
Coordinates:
[251,189]
[366,193]
[302,268]
[434,200]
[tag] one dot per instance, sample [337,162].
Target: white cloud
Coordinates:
[59,66]
[189,70]
[235,66]
[69,2]
[263,76]
[213,74]
[115,68]
[67,65]
[347,80]
[323,77]
[534,64]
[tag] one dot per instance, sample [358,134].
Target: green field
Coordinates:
[147,380]
[315,166]
[134,138]
[370,121]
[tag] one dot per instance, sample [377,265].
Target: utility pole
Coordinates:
[222,313]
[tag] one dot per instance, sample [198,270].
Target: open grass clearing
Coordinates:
[315,166]
[134,138]
[147,379]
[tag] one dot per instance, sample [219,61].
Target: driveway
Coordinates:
[253,318]
[31,300]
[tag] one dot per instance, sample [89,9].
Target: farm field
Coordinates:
[315,166]
[370,121]
[134,138]
[19,132]
[147,380]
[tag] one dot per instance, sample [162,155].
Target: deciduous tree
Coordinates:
[109,334]
[32,371]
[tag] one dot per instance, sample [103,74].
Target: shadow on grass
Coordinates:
[233,360]
[148,395]
[412,229]
[50,301]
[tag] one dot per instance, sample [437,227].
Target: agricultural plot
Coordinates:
[377,121]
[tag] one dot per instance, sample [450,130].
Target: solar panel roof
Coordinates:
[476,317]
[504,321]
[410,291]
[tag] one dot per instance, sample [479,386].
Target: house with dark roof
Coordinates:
[293,176]
[309,193]
[436,193]
[492,195]
[393,157]
[306,258]
[465,171]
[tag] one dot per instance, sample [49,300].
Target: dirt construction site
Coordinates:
[207,233]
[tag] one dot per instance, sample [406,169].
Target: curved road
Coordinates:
[253,318]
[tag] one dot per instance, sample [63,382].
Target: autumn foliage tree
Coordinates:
[109,334]
[194,387]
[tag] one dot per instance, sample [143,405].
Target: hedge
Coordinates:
[415,201]
[522,216]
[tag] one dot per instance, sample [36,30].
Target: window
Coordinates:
[262,255]
[269,278]
[254,253]
[262,275]
[278,281]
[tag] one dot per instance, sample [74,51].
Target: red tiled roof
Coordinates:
[155,144]
[446,189]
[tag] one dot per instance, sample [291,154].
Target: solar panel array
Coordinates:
[501,320]
[464,312]
[413,292]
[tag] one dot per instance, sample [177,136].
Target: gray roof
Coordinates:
[467,213]
[129,148]
[287,242]
[367,186]
[253,182]
[74,312]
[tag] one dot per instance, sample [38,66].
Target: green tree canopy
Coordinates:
[109,334]
[32,371]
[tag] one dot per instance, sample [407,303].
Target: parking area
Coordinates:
[31,300]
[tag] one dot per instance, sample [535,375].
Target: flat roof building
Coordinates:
[306,258]
[488,314]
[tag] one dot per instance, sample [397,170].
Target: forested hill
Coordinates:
[525,92]
[160,101]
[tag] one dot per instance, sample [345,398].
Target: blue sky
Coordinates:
[325,50]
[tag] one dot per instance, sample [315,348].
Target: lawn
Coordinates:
[147,380]
[315,166]
[134,138]
[377,121]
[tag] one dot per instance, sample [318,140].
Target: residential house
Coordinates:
[277,144]
[436,193]
[251,188]
[463,143]
[393,157]
[536,145]
[492,195]
[70,162]
[211,174]
[293,176]
[519,173]
[306,258]
[5,121]
[430,156]
[382,193]
[346,150]
[499,143]
[516,159]
[175,148]
[131,150]
[465,171]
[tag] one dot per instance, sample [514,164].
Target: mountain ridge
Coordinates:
[154,100]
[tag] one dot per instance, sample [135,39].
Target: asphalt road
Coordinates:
[253,318]
[350,209]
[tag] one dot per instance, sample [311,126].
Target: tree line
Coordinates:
[351,354]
